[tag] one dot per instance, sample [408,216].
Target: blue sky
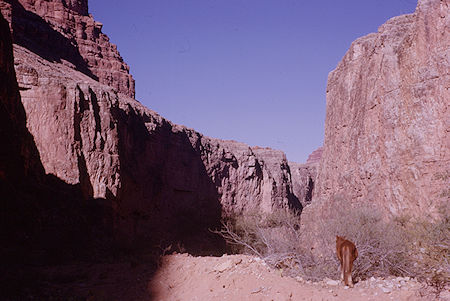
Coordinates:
[254,71]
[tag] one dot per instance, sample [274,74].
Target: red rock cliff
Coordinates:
[63,31]
[388,117]
[42,219]
[159,182]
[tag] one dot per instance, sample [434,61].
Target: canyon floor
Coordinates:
[230,277]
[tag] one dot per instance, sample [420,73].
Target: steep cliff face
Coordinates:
[42,219]
[387,122]
[156,175]
[12,115]
[63,31]
[155,181]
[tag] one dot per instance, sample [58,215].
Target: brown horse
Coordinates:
[347,253]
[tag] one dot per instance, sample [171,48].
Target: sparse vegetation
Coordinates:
[274,238]
[402,247]
[429,245]
[382,245]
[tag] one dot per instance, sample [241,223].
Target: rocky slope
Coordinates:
[387,122]
[154,181]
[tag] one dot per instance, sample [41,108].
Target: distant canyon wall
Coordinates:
[388,118]
[304,177]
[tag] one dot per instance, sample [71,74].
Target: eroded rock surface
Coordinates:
[42,218]
[63,31]
[304,177]
[158,182]
[388,118]
[156,174]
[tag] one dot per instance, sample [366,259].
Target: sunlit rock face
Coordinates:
[388,118]
[151,180]
[63,31]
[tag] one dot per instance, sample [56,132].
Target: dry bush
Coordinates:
[429,248]
[274,237]
[263,235]
[399,248]
[382,246]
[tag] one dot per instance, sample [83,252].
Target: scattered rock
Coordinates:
[224,266]
[332,282]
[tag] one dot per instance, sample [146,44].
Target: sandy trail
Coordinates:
[240,277]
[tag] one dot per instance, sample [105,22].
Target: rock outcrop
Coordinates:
[150,181]
[248,179]
[315,156]
[63,31]
[388,117]
[13,131]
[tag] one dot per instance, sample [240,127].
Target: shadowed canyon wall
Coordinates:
[388,118]
[155,182]
[42,219]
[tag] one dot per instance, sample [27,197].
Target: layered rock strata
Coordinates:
[155,173]
[315,156]
[63,31]
[42,219]
[153,181]
[388,117]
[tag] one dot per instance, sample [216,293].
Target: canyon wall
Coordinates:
[149,180]
[42,219]
[388,118]
[155,174]
[304,177]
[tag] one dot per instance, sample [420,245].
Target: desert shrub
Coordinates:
[429,248]
[400,247]
[382,245]
[273,237]
[263,235]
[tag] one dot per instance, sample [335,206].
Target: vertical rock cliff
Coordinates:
[13,131]
[388,117]
[42,219]
[150,181]
[304,177]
